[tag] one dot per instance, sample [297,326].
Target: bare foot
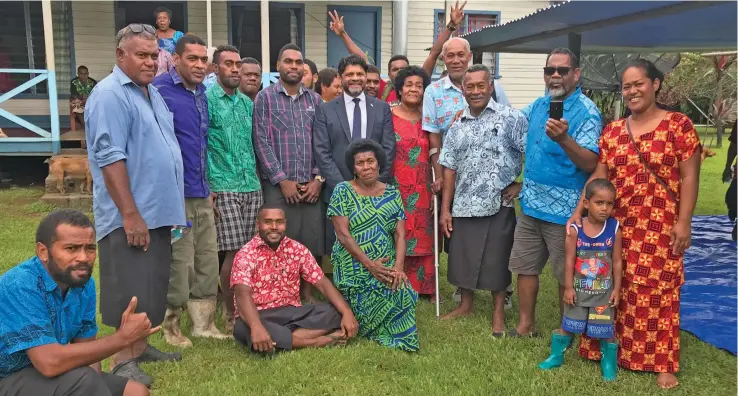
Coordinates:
[337,338]
[498,327]
[458,312]
[667,380]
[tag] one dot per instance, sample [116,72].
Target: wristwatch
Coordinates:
[451,26]
[320,178]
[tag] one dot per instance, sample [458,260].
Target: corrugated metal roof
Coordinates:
[616,27]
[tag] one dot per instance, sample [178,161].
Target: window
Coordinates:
[127,12]
[473,21]
[286,25]
[22,44]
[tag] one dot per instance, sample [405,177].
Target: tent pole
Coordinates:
[575,44]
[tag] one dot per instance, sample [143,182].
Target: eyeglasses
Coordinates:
[562,70]
[141,27]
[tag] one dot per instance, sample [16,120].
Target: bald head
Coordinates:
[456,54]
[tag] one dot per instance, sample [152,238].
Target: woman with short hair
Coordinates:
[413,177]
[165,35]
[369,255]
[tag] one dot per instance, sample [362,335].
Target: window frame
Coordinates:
[72,60]
[256,7]
[185,14]
[497,14]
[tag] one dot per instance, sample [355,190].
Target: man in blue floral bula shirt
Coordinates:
[559,157]
[48,332]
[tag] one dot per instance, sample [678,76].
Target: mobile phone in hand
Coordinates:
[556,110]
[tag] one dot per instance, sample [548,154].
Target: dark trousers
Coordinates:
[281,322]
[83,381]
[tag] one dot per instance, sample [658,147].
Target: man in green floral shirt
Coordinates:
[231,165]
[79,89]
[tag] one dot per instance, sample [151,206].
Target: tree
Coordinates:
[710,82]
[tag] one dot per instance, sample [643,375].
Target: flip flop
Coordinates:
[513,333]
[151,354]
[129,369]
[337,341]
[497,335]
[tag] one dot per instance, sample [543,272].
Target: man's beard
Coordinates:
[231,83]
[274,245]
[353,91]
[284,76]
[65,276]
[557,93]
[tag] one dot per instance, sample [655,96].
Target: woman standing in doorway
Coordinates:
[653,159]
[166,36]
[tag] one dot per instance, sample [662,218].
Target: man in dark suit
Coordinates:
[351,116]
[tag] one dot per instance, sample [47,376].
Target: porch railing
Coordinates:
[43,135]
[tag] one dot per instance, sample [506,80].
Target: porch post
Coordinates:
[51,80]
[209,15]
[266,66]
[399,27]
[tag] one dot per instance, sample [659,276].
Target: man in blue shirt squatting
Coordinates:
[138,192]
[48,343]
[194,274]
[560,156]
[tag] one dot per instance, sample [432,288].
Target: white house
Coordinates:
[83,33]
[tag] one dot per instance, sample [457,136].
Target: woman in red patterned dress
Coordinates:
[412,170]
[654,205]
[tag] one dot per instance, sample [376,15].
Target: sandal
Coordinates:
[513,333]
[151,354]
[129,369]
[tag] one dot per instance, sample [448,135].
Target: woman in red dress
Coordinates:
[412,170]
[653,159]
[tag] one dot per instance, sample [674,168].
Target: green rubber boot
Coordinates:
[559,343]
[609,362]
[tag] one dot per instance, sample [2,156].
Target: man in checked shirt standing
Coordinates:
[283,118]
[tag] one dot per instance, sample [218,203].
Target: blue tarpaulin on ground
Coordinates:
[708,305]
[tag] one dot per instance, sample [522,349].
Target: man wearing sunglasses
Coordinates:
[138,195]
[560,155]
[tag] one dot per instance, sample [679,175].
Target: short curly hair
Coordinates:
[365,146]
[406,72]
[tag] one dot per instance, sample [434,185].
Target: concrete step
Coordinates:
[70,152]
[72,183]
[72,200]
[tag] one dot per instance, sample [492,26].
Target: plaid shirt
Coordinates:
[283,134]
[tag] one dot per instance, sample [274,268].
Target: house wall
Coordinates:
[197,20]
[521,74]
[316,35]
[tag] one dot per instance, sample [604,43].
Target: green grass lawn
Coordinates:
[456,358]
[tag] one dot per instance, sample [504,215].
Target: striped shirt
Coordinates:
[283,134]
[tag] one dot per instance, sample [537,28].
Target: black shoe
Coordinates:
[129,369]
[151,354]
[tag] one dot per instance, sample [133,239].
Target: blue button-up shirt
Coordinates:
[487,154]
[441,101]
[34,313]
[190,110]
[124,125]
[552,184]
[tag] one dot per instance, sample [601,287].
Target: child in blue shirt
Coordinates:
[593,273]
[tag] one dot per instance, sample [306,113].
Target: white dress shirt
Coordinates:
[349,101]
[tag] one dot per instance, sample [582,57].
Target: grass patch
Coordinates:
[456,358]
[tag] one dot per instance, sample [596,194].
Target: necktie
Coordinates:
[356,130]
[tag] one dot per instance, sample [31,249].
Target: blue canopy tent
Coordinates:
[610,27]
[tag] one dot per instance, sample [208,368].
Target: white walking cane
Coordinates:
[436,253]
